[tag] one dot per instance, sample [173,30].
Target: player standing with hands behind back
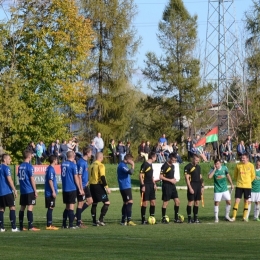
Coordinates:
[195,187]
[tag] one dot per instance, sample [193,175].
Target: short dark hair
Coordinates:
[195,156]
[244,154]
[4,156]
[217,160]
[52,158]
[128,156]
[172,155]
[26,154]
[151,155]
[86,150]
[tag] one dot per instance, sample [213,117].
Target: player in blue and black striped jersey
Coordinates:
[27,190]
[82,166]
[70,184]
[7,193]
[51,191]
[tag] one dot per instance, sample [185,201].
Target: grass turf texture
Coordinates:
[208,240]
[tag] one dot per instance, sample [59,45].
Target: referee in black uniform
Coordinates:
[195,187]
[168,188]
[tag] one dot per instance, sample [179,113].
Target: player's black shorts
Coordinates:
[240,191]
[126,194]
[87,194]
[69,197]
[49,202]
[196,186]
[98,193]
[149,193]
[7,200]
[169,191]
[27,199]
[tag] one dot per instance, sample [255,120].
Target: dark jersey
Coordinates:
[147,172]
[193,172]
[167,171]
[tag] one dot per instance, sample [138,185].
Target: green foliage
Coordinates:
[45,65]
[112,56]
[174,77]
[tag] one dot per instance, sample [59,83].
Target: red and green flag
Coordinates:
[211,136]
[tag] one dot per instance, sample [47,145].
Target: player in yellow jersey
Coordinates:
[244,174]
[99,189]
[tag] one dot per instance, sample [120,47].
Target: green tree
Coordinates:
[174,76]
[112,55]
[48,47]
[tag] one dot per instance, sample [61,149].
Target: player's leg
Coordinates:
[31,202]
[164,206]
[94,213]
[12,217]
[238,196]
[152,207]
[89,199]
[2,227]
[70,210]
[197,199]
[104,209]
[123,210]
[249,208]
[256,213]
[152,199]
[65,196]
[247,195]
[21,216]
[188,209]
[226,196]
[166,196]
[80,200]
[49,205]
[216,209]
[176,210]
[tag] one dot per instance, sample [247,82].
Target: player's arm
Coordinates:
[77,182]
[187,180]
[163,178]
[80,171]
[202,184]
[235,173]
[11,183]
[52,188]
[103,178]
[34,186]
[211,173]
[154,184]
[230,181]
[253,176]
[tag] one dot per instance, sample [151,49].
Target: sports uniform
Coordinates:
[50,175]
[124,182]
[69,190]
[168,190]
[255,196]
[27,192]
[98,184]
[146,172]
[6,197]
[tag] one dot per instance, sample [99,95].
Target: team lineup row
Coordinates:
[88,186]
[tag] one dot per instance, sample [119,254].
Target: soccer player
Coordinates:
[8,193]
[82,165]
[51,191]
[244,174]
[99,189]
[147,186]
[195,187]
[27,190]
[168,188]
[219,174]
[124,182]
[255,193]
[70,184]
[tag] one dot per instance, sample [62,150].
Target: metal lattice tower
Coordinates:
[222,67]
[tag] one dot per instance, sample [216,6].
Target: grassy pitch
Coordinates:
[208,240]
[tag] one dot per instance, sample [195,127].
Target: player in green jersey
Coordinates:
[220,175]
[255,193]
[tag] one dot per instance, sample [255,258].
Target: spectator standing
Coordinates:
[163,139]
[127,148]
[94,151]
[39,153]
[63,150]
[112,151]
[99,143]
[120,150]
[189,147]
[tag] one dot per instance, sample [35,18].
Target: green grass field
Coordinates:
[208,240]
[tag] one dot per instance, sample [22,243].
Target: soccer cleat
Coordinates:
[64,227]
[177,221]
[216,220]
[197,221]
[190,221]
[81,226]
[164,221]
[15,230]
[256,219]
[52,228]
[2,229]
[227,218]
[95,224]
[101,223]
[131,223]
[34,229]
[123,223]
[144,222]
[245,219]
[233,219]
[73,227]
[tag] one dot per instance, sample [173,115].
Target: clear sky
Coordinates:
[150,13]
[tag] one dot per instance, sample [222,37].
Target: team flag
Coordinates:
[211,136]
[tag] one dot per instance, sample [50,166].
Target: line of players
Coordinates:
[87,190]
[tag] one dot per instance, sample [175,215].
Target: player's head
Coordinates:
[172,157]
[27,155]
[152,156]
[71,155]
[6,159]
[258,164]
[195,159]
[217,163]
[53,159]
[87,151]
[128,158]
[244,158]
[100,156]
